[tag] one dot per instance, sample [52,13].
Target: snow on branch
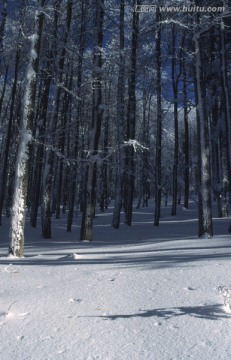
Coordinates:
[172,21]
[69,92]
[92,156]
[45,13]
[136,145]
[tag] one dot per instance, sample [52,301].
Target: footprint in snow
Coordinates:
[72,300]
[157,323]
[24,314]
[76,256]
[190,288]
[20,337]
[61,351]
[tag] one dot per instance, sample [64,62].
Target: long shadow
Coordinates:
[113,247]
[207,312]
[151,260]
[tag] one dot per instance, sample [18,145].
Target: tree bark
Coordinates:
[206,224]
[120,127]
[3,23]
[74,168]
[225,141]
[48,180]
[41,145]
[8,136]
[176,131]
[16,235]
[158,162]
[131,124]
[97,112]
[186,138]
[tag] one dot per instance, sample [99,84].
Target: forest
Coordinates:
[113,102]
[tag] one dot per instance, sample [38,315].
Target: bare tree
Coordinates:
[158,162]
[93,155]
[120,126]
[131,123]
[205,205]
[16,235]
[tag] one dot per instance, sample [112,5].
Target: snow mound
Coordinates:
[13,257]
[225,295]
[76,256]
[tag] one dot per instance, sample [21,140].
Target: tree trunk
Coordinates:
[158,175]
[176,139]
[61,144]
[120,127]
[2,25]
[97,112]
[3,92]
[8,136]
[186,138]
[225,142]
[131,124]
[206,224]
[104,169]
[41,145]
[48,181]
[16,235]
[73,172]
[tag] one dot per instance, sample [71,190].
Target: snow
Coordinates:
[140,292]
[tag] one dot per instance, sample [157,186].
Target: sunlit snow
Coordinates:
[137,293]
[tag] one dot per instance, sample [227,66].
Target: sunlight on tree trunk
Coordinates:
[16,235]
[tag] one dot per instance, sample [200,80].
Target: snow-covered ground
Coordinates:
[140,292]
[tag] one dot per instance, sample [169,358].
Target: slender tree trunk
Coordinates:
[198,168]
[97,111]
[74,168]
[8,136]
[104,170]
[158,175]
[226,141]
[46,204]
[186,138]
[48,181]
[41,145]
[176,139]
[120,127]
[3,91]
[206,224]
[2,25]
[61,145]
[131,124]
[144,181]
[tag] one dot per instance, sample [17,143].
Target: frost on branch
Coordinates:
[136,145]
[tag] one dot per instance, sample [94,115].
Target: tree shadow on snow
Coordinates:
[207,312]
[144,258]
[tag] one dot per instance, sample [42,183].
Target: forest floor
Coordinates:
[136,293]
